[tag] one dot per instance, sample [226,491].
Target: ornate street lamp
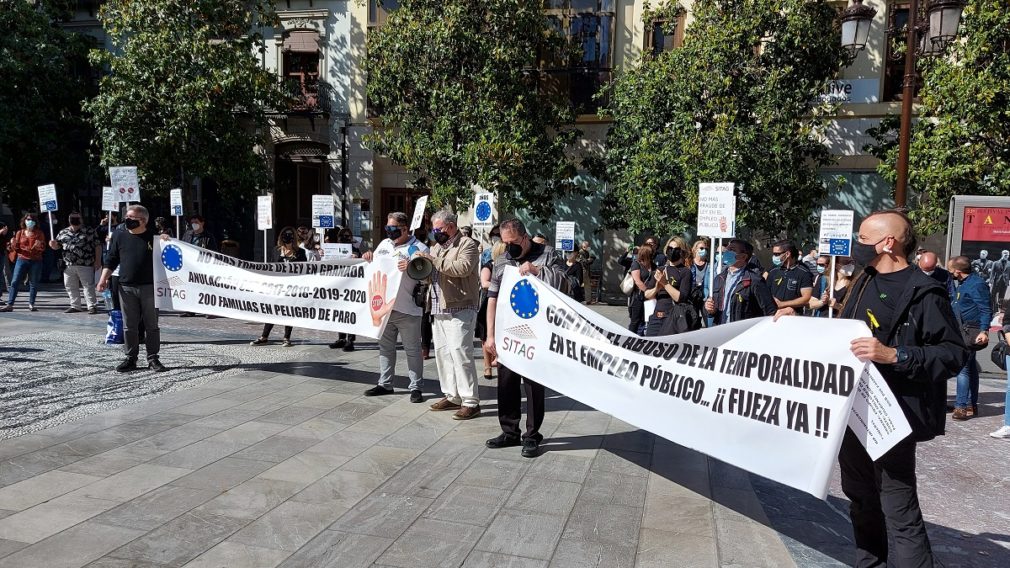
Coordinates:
[856,20]
[944,21]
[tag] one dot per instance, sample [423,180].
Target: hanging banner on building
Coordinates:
[109,202]
[124,181]
[322,211]
[348,296]
[725,391]
[418,218]
[716,210]
[483,211]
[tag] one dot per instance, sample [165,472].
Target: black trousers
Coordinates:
[139,313]
[636,311]
[510,401]
[268,327]
[884,499]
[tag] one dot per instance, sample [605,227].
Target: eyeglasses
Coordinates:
[778,253]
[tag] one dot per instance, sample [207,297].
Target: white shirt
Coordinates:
[405,296]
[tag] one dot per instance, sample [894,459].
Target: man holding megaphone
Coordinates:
[405,319]
[453,266]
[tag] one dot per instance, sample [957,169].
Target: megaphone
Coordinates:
[419,268]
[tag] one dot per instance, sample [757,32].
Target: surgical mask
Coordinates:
[928,272]
[393,232]
[848,270]
[132,224]
[75,221]
[514,251]
[728,258]
[703,253]
[863,253]
[777,260]
[30,224]
[196,226]
[820,269]
[495,239]
[441,237]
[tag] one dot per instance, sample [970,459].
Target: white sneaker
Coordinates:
[1003,432]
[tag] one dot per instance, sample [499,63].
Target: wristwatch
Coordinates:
[902,355]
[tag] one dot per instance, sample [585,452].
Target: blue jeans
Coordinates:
[1006,409]
[967,383]
[34,270]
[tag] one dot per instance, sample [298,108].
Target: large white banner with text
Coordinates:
[773,398]
[350,296]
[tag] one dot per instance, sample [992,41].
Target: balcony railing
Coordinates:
[307,98]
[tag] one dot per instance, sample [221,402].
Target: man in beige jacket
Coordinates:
[455,289]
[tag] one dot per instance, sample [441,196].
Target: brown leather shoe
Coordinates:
[445,404]
[466,413]
[960,414]
[971,411]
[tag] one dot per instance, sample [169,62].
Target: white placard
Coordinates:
[774,408]
[870,418]
[419,213]
[175,202]
[264,212]
[302,294]
[322,211]
[483,210]
[716,210]
[47,198]
[334,251]
[564,235]
[109,201]
[125,182]
[836,232]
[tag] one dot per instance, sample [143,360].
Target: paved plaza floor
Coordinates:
[267,456]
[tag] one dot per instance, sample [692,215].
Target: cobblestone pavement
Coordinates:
[268,456]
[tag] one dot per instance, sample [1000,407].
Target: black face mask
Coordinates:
[287,238]
[75,221]
[393,232]
[441,238]
[863,253]
[514,251]
[132,224]
[674,254]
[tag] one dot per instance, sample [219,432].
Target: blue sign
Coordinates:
[524,299]
[483,211]
[841,247]
[50,205]
[568,244]
[326,221]
[171,258]
[177,211]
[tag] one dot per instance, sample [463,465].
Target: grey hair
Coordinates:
[445,216]
[139,210]
[400,217]
[513,225]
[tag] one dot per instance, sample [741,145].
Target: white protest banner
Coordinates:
[47,198]
[175,202]
[335,251]
[124,181]
[564,236]
[264,212]
[348,296]
[418,218]
[109,202]
[483,210]
[725,391]
[322,211]
[716,210]
[836,232]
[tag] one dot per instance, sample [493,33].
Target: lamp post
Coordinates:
[937,31]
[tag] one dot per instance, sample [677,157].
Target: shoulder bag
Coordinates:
[1000,351]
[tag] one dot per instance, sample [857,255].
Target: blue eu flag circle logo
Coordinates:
[483,211]
[171,257]
[525,300]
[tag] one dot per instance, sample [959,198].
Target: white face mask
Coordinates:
[928,272]
[196,226]
[848,269]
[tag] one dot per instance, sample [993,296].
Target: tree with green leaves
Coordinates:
[43,138]
[961,143]
[185,95]
[734,103]
[456,85]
